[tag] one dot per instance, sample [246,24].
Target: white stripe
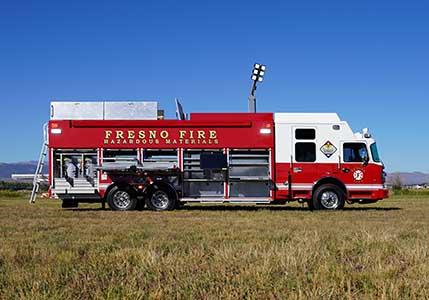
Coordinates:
[296,186]
[364,187]
[283,188]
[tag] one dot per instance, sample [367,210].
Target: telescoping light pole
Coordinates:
[257,76]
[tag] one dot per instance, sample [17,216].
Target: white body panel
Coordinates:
[323,123]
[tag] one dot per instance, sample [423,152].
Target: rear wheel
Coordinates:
[328,197]
[161,200]
[121,199]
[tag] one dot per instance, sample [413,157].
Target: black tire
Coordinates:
[328,197]
[161,198]
[121,198]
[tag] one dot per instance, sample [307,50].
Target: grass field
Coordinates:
[377,251]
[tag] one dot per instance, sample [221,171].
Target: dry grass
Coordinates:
[378,251]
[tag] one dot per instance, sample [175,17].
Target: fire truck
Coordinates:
[127,155]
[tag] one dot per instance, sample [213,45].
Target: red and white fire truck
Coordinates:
[126,155]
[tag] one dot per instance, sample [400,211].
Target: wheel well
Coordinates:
[330,180]
[107,191]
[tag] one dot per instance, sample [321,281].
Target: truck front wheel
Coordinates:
[121,199]
[160,200]
[329,197]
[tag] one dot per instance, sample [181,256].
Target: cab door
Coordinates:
[354,168]
[303,164]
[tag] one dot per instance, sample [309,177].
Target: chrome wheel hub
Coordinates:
[329,200]
[159,200]
[122,199]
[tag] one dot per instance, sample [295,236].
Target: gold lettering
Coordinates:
[201,134]
[191,134]
[212,134]
[119,134]
[142,134]
[131,134]
[164,134]
[152,134]
[182,134]
[107,134]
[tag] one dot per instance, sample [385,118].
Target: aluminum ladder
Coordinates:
[38,175]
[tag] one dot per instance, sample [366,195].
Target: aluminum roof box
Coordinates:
[130,110]
[104,110]
[77,110]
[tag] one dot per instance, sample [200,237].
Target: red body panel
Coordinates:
[213,131]
[370,186]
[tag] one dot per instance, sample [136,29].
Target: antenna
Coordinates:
[179,111]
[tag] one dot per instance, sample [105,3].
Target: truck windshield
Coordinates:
[374,152]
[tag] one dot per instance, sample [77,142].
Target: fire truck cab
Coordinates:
[124,154]
[320,160]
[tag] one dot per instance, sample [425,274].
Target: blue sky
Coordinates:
[366,60]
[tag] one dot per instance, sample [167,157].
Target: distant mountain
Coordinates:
[408,178]
[24,167]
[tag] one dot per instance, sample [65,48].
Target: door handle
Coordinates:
[297,170]
[345,170]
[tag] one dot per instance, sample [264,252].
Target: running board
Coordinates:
[229,200]
[88,198]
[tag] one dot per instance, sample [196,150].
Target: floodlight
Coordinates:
[257,76]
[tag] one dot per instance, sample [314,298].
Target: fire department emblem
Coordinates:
[328,149]
[358,175]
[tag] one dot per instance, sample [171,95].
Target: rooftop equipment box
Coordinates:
[104,110]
